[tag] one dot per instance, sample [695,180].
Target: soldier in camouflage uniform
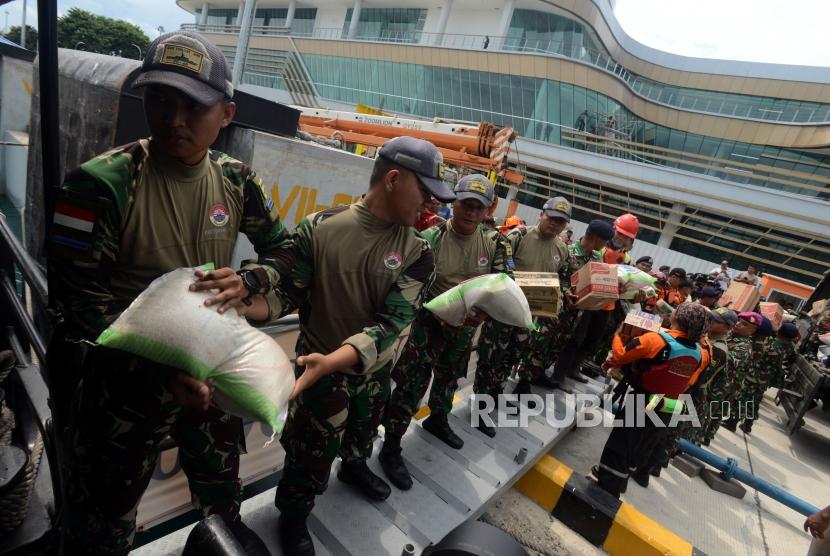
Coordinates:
[359,277]
[787,338]
[741,365]
[553,334]
[771,360]
[535,249]
[121,220]
[721,322]
[463,250]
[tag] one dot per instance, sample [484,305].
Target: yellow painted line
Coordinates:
[423,411]
[544,482]
[635,533]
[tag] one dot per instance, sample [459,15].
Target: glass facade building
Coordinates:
[717,128]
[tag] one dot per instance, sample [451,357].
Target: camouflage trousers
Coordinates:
[122,414]
[546,344]
[500,347]
[755,394]
[337,416]
[433,349]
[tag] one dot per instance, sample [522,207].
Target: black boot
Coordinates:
[522,387]
[392,463]
[655,470]
[641,477]
[440,428]
[249,540]
[544,381]
[746,426]
[294,536]
[359,475]
[486,429]
[730,425]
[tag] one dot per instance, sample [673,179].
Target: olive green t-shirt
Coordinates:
[180,216]
[357,280]
[533,252]
[459,257]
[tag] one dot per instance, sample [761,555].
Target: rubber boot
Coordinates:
[438,426]
[250,541]
[392,463]
[359,475]
[294,536]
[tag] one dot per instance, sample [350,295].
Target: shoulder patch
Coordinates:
[75,225]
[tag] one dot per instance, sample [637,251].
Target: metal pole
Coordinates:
[242,45]
[48,93]
[23,27]
[729,469]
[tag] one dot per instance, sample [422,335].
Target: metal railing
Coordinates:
[766,109]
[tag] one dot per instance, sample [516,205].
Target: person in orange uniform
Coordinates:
[594,328]
[660,365]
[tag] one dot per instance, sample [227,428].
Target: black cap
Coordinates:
[601,229]
[788,330]
[188,62]
[724,316]
[423,158]
[648,260]
[765,329]
[709,292]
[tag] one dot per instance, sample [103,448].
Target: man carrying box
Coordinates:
[553,335]
[536,249]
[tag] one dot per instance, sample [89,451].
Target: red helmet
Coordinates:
[627,225]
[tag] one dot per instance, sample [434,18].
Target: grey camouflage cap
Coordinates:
[558,207]
[423,158]
[188,62]
[475,186]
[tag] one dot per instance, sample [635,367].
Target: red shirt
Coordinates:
[427,219]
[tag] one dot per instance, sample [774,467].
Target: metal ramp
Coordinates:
[450,487]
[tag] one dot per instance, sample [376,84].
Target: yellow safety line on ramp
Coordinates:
[617,527]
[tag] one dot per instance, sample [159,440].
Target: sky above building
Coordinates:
[773,31]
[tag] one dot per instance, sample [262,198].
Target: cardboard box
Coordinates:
[543,292]
[775,313]
[637,323]
[740,297]
[595,286]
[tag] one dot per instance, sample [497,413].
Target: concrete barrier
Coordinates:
[616,527]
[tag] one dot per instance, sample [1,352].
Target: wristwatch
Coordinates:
[253,282]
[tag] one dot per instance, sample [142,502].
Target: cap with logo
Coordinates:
[188,62]
[475,186]
[423,158]
[709,292]
[724,316]
[558,207]
[645,259]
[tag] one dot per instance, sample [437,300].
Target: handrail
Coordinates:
[718,103]
[28,266]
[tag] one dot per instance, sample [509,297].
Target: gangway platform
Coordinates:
[449,486]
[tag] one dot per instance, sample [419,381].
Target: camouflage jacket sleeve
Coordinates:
[260,222]
[84,239]
[740,357]
[503,255]
[374,344]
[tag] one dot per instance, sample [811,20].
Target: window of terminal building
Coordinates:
[388,24]
[218,16]
[276,17]
[550,111]
[538,31]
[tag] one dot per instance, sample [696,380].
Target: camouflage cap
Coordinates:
[188,62]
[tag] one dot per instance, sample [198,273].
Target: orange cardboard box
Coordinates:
[595,284]
[740,297]
[775,313]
